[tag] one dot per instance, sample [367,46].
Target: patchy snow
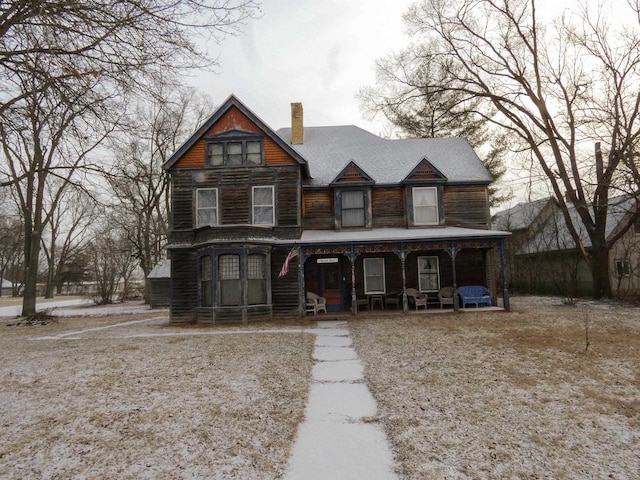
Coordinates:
[14,310]
[482,395]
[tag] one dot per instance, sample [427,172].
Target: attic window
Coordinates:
[234,153]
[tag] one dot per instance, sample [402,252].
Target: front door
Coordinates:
[331,285]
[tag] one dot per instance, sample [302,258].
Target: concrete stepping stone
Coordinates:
[332,354]
[326,341]
[342,371]
[340,402]
[348,451]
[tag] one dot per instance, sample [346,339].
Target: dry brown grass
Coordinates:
[508,395]
[99,405]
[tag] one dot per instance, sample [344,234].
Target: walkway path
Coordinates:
[335,441]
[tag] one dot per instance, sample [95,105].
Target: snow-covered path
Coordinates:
[335,441]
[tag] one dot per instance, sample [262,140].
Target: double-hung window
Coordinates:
[374,281]
[206,207]
[353,208]
[206,278]
[425,206]
[229,279]
[623,268]
[256,279]
[263,205]
[428,274]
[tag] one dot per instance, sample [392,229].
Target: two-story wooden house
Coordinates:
[350,214]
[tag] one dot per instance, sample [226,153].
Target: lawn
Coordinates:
[478,395]
[509,395]
[120,404]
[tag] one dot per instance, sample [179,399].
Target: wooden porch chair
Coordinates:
[417,298]
[445,296]
[316,303]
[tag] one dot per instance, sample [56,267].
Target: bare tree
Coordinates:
[405,95]
[121,40]
[10,243]
[112,265]
[66,233]
[157,127]
[63,67]
[45,137]
[554,89]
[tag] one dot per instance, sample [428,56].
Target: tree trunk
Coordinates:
[32,252]
[600,272]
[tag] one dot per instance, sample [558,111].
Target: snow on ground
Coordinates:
[509,395]
[481,395]
[95,405]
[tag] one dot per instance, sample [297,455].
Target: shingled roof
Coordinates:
[328,150]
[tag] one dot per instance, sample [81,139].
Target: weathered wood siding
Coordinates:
[160,292]
[184,286]
[284,290]
[234,200]
[317,210]
[388,208]
[466,206]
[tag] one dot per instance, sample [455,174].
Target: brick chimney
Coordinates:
[297,127]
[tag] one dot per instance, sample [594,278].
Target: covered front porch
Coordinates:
[383,269]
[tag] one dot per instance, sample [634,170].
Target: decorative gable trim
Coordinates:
[425,172]
[231,102]
[352,174]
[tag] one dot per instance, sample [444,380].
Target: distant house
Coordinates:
[544,257]
[6,290]
[261,217]
[160,284]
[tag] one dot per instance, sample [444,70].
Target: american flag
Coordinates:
[285,266]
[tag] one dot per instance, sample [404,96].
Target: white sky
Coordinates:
[319,53]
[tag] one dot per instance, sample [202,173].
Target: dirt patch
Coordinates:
[509,395]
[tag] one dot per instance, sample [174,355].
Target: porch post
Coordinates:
[505,282]
[302,301]
[402,254]
[403,262]
[352,255]
[453,253]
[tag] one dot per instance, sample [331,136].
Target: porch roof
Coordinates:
[394,235]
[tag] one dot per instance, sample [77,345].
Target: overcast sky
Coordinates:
[316,52]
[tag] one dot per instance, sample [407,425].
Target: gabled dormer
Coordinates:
[424,193]
[352,198]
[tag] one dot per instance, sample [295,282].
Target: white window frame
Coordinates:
[414,190]
[367,291]
[431,258]
[272,205]
[198,208]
